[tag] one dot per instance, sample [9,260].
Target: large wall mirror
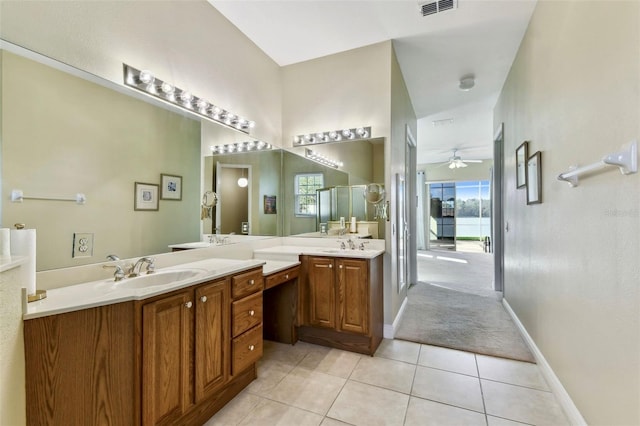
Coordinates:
[64,132]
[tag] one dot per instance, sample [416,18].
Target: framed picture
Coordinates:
[145,196]
[171,187]
[534,179]
[270,204]
[522,155]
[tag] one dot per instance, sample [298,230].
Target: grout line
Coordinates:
[517,385]
[484,404]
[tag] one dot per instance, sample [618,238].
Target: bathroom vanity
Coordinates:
[171,358]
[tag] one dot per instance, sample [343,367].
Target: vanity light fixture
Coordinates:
[319,158]
[248,146]
[356,133]
[146,82]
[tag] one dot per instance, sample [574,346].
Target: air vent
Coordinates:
[437,6]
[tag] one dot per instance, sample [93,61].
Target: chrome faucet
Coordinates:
[352,244]
[151,266]
[119,273]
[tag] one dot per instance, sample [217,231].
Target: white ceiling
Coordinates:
[480,37]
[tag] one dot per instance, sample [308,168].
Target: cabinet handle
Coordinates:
[251,282]
[252,313]
[330,266]
[340,266]
[251,347]
[203,299]
[188,305]
[286,277]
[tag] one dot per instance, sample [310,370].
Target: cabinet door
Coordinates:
[167,326]
[212,340]
[322,293]
[353,295]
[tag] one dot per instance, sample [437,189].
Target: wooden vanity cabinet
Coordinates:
[169,359]
[340,302]
[246,346]
[184,350]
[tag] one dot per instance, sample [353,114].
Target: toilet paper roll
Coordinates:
[23,243]
[5,242]
[353,227]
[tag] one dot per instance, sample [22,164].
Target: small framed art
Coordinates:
[171,187]
[534,179]
[145,196]
[522,155]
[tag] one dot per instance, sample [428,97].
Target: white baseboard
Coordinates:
[565,401]
[389,330]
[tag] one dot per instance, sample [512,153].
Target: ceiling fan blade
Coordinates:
[461,164]
[452,165]
[472,161]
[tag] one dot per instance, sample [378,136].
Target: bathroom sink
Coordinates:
[159,278]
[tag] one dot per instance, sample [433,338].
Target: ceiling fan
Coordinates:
[456,162]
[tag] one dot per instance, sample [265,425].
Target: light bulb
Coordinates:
[243,182]
[167,88]
[186,96]
[146,77]
[252,124]
[362,132]
[297,139]
[202,104]
[347,133]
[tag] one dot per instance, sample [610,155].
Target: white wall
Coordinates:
[571,263]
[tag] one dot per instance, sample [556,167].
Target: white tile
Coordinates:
[449,388]
[497,421]
[386,373]
[309,390]
[328,421]
[270,413]
[235,410]
[399,350]
[270,373]
[522,404]
[362,404]
[448,359]
[428,413]
[331,361]
[512,372]
[290,354]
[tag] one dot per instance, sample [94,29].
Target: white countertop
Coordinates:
[273,266]
[10,262]
[288,251]
[107,291]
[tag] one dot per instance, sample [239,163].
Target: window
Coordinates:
[306,185]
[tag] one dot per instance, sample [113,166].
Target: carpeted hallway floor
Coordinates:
[454,305]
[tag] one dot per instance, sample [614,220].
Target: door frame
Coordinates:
[497,222]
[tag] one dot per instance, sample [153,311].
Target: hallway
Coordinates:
[465,271]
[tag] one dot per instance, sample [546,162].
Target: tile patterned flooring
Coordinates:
[405,383]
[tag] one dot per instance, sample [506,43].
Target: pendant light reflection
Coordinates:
[243,181]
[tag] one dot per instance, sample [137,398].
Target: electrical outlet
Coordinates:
[82,244]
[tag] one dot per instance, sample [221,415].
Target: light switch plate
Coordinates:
[82,244]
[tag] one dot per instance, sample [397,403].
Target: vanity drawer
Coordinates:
[281,277]
[246,313]
[246,349]
[246,283]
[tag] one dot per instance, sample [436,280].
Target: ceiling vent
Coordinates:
[437,6]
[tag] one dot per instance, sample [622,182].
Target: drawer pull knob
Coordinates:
[203,299]
[286,277]
[252,312]
[251,282]
[330,266]
[340,266]
[188,305]
[251,347]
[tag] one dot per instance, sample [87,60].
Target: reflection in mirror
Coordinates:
[62,135]
[261,198]
[342,194]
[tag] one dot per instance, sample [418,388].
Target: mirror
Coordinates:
[62,135]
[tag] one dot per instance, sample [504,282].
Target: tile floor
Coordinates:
[405,383]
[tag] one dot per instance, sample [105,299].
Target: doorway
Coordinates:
[233,186]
